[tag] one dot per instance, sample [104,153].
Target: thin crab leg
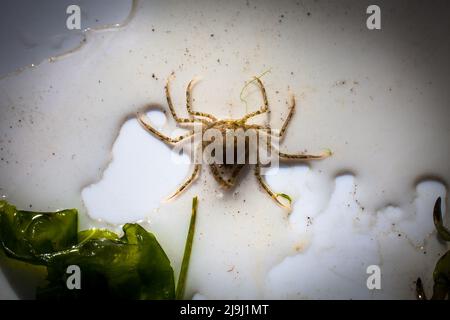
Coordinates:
[264,108]
[285,123]
[298,156]
[257,126]
[266,188]
[183,187]
[288,119]
[301,156]
[159,135]
[192,177]
[172,110]
[288,156]
[189,104]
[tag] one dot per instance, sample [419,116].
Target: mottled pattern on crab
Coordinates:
[226,174]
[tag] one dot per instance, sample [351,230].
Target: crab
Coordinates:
[208,121]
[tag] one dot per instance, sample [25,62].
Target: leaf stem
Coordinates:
[244,100]
[181,285]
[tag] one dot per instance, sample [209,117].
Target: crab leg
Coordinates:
[288,119]
[171,141]
[301,156]
[193,176]
[172,110]
[266,187]
[264,108]
[189,104]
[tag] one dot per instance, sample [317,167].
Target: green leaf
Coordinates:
[441,273]
[133,266]
[441,277]
[25,235]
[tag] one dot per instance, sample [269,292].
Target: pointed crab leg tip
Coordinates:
[168,199]
[288,208]
[285,207]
